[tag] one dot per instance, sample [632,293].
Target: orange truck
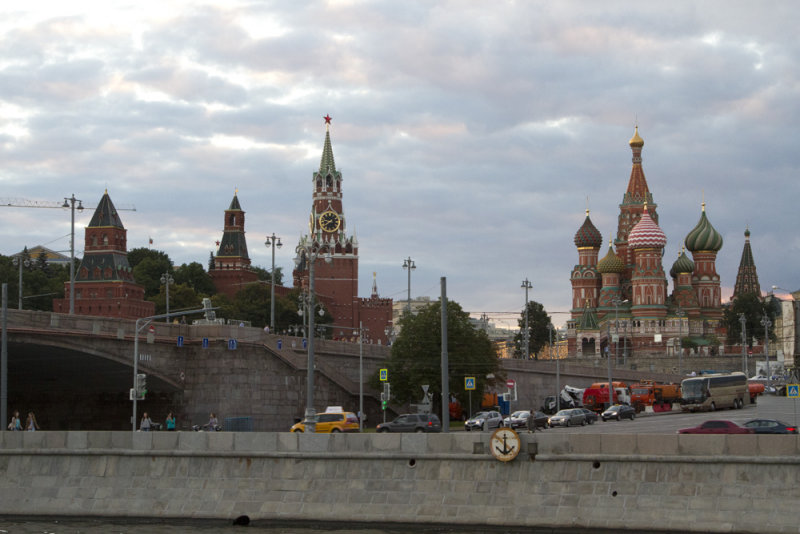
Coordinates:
[652,393]
[595,397]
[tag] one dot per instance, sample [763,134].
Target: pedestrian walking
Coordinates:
[15,423]
[212,423]
[30,424]
[170,421]
[146,423]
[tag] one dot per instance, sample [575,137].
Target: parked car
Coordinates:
[484,421]
[571,417]
[591,416]
[770,426]
[331,422]
[717,427]
[619,412]
[412,422]
[539,419]
[518,419]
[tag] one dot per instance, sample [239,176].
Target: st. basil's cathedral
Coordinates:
[624,295]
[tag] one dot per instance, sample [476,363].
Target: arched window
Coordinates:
[105,239]
[328,182]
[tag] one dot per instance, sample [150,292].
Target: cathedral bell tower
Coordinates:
[336,283]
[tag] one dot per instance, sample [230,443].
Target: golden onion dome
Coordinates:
[636,141]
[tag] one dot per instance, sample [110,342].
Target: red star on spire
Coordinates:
[327,119]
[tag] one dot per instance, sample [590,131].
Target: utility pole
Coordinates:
[743,322]
[526,285]
[409,264]
[765,321]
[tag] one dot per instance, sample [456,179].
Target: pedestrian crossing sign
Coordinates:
[469,383]
[793,391]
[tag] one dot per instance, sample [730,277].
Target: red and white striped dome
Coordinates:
[646,233]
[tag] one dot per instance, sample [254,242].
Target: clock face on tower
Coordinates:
[329,221]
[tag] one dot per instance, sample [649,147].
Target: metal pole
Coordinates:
[135,370]
[616,331]
[310,415]
[743,321]
[608,357]
[72,258]
[558,383]
[4,358]
[20,260]
[408,263]
[767,323]
[525,338]
[680,313]
[272,240]
[361,376]
[445,370]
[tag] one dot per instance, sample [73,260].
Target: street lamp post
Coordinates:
[409,264]
[272,241]
[70,203]
[307,255]
[680,313]
[22,262]
[766,323]
[167,280]
[617,302]
[526,285]
[743,322]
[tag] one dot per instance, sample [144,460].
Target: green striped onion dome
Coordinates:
[682,265]
[704,236]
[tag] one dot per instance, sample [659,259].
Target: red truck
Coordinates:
[651,393]
[595,397]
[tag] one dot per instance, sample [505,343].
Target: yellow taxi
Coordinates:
[329,422]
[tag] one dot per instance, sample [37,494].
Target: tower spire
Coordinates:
[327,164]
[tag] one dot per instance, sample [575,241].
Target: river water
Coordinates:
[34,525]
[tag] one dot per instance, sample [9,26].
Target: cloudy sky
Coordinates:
[471,134]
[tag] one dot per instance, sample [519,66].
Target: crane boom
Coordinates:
[26,203]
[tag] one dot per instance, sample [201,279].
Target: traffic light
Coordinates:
[141,385]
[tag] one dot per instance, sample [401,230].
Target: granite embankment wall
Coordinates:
[662,482]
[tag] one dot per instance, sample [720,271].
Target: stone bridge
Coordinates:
[75,373]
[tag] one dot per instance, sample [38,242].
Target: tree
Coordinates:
[538,333]
[148,266]
[415,359]
[754,310]
[264,274]
[181,297]
[194,276]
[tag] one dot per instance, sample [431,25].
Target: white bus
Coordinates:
[711,392]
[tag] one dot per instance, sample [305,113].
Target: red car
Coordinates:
[717,427]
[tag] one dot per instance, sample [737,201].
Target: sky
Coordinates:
[471,135]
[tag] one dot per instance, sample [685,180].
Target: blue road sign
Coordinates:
[231,344]
[469,383]
[180,341]
[793,391]
[384,375]
[205,342]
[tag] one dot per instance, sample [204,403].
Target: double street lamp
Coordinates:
[766,323]
[409,264]
[272,241]
[22,262]
[167,280]
[526,285]
[307,254]
[680,313]
[70,203]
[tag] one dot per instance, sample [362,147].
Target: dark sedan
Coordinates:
[770,426]
[591,416]
[412,422]
[619,412]
[717,427]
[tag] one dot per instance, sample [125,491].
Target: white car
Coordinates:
[484,421]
